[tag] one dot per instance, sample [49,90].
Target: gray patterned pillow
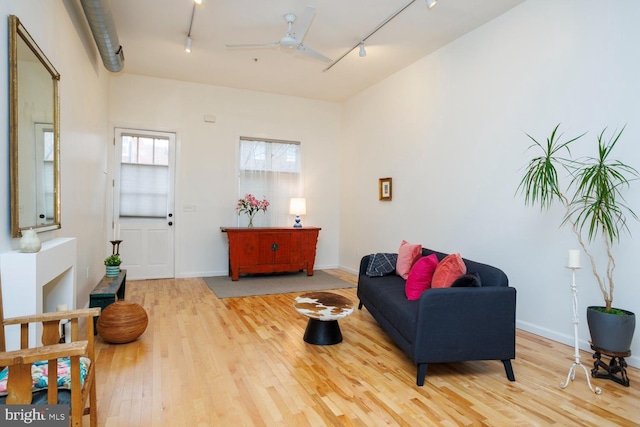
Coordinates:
[381,264]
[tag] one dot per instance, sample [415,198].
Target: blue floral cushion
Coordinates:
[40,372]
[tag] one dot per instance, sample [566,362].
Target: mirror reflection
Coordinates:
[34,134]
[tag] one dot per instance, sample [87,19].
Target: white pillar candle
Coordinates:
[61,307]
[574,258]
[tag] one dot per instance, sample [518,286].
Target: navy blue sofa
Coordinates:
[445,325]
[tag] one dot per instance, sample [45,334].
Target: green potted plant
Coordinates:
[112,263]
[594,205]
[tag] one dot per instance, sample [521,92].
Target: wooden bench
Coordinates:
[108,291]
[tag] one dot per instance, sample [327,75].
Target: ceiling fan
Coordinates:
[294,36]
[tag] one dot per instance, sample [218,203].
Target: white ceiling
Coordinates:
[153,34]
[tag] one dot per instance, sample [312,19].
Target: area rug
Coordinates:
[285,283]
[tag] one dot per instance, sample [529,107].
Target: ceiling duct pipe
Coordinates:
[103,28]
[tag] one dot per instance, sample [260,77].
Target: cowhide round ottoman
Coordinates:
[122,322]
[323,310]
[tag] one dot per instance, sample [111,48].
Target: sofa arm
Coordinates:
[364,263]
[466,324]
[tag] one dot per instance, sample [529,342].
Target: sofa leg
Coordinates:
[509,369]
[422,373]
[360,305]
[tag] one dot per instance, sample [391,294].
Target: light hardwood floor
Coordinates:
[242,362]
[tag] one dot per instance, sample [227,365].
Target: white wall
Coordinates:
[206,174]
[449,130]
[63,34]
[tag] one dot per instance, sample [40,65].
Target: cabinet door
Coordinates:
[265,252]
[275,248]
[299,246]
[282,255]
[244,249]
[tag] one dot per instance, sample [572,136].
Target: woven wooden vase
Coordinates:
[122,322]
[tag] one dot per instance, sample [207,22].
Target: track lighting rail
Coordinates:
[372,32]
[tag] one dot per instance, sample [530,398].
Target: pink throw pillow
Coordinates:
[448,270]
[420,276]
[408,254]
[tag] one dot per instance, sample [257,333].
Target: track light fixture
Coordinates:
[363,52]
[187,46]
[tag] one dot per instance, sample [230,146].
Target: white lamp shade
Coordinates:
[298,206]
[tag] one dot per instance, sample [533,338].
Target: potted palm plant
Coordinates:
[594,206]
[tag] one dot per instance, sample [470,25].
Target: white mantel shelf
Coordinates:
[33,283]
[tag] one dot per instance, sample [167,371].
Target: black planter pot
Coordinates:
[611,332]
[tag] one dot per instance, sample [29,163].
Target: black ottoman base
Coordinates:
[321,332]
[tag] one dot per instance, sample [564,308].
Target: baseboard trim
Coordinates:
[568,340]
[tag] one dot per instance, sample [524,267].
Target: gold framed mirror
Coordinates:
[34,134]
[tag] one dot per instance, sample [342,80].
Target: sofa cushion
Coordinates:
[408,254]
[381,264]
[448,270]
[469,280]
[375,288]
[402,314]
[420,276]
[386,295]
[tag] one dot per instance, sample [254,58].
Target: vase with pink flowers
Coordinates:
[250,205]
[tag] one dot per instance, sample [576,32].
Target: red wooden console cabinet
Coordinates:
[271,249]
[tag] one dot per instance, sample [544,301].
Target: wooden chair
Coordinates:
[19,362]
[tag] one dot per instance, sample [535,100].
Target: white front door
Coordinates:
[144,202]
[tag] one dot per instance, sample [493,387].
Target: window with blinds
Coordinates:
[144,176]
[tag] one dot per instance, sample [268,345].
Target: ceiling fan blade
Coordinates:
[312,53]
[232,46]
[301,25]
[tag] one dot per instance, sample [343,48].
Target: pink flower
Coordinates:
[249,204]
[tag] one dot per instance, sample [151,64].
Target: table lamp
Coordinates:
[297,207]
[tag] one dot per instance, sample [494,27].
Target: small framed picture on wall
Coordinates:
[384,188]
